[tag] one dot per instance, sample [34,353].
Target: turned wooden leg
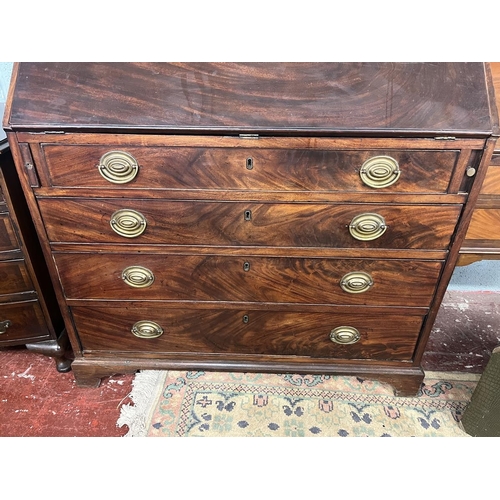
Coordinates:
[56,349]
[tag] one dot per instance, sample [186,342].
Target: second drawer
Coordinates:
[249,224]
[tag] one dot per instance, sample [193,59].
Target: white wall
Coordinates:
[5,74]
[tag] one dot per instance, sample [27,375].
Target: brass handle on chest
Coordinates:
[118,167]
[356,282]
[4,325]
[367,227]
[147,329]
[128,223]
[380,172]
[345,335]
[138,276]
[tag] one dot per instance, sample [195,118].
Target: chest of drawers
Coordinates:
[29,313]
[271,217]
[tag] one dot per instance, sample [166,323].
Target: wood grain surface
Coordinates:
[8,238]
[271,224]
[271,169]
[267,332]
[485,225]
[491,184]
[14,277]
[248,279]
[359,98]
[28,323]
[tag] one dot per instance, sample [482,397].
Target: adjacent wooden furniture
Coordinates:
[483,237]
[298,217]
[29,313]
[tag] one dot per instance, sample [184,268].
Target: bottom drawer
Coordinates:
[256,332]
[22,322]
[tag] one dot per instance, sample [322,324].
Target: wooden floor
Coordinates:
[36,400]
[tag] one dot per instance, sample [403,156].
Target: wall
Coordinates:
[5,73]
[484,275]
[479,276]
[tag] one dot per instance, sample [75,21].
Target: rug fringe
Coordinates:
[135,416]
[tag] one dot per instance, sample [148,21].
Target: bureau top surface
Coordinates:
[262,98]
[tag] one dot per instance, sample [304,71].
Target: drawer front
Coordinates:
[491,184]
[8,238]
[248,279]
[259,169]
[14,277]
[485,225]
[22,322]
[381,337]
[248,224]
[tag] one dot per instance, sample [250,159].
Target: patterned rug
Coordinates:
[215,404]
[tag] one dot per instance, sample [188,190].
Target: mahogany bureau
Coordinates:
[295,217]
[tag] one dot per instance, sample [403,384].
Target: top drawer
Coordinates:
[249,168]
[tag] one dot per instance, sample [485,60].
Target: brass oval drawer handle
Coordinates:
[345,335]
[4,325]
[380,172]
[118,167]
[128,223]
[147,329]
[138,276]
[367,227]
[356,282]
